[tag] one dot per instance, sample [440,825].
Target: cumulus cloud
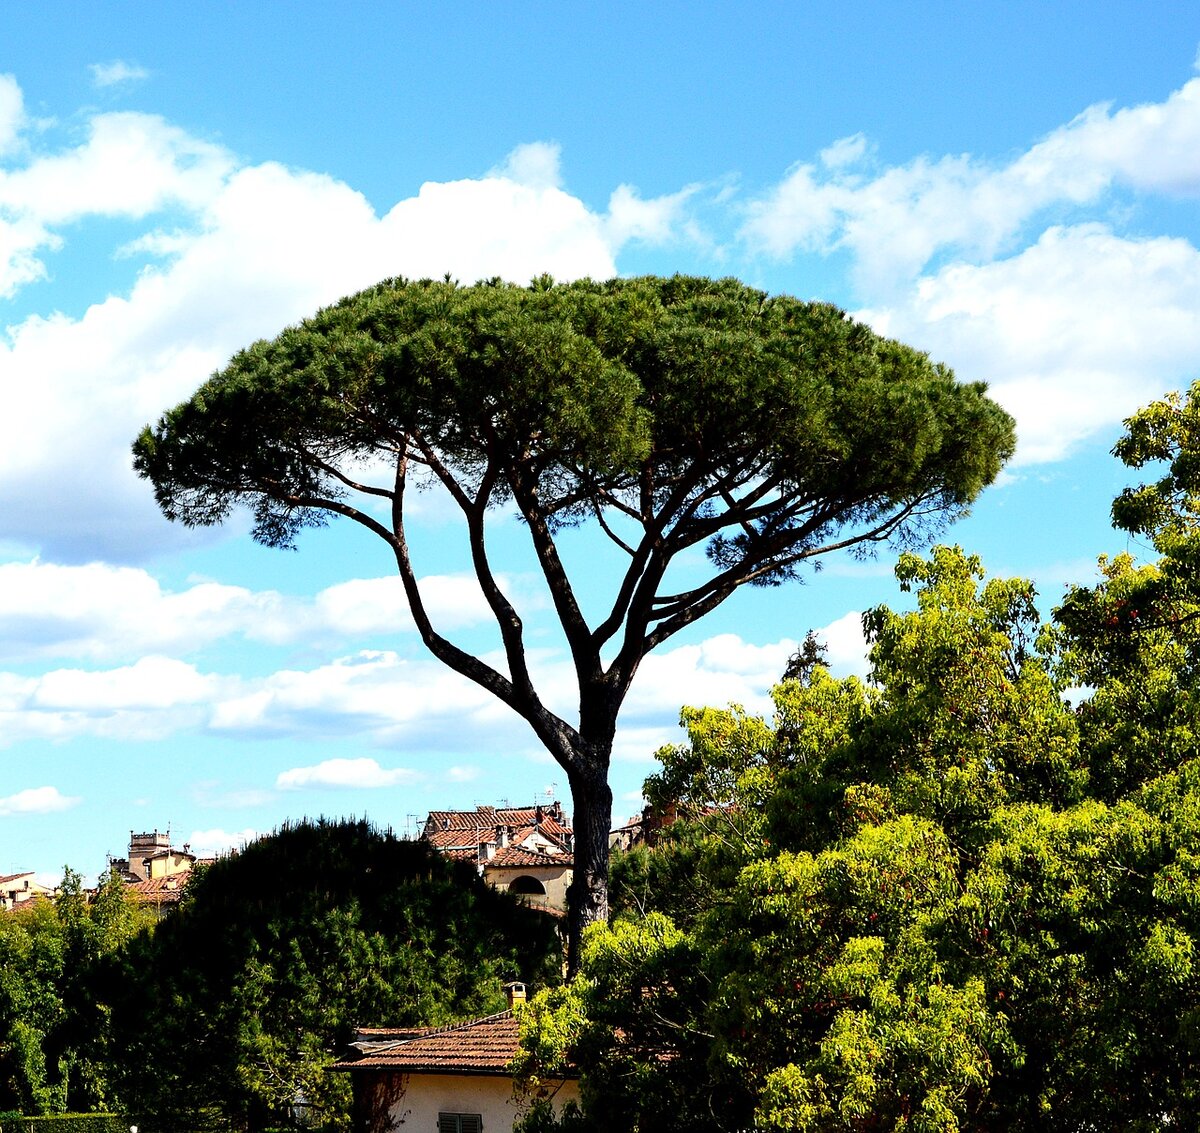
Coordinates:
[375,694]
[1073,328]
[654,221]
[117,73]
[719,670]
[345,773]
[208,843]
[845,646]
[149,700]
[99,612]
[1073,333]
[537,165]
[129,166]
[895,220]
[36,800]
[151,684]
[238,252]
[377,697]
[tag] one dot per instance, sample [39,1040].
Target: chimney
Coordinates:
[501,836]
[515,992]
[487,851]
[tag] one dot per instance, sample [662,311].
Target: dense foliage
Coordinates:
[962,896]
[231,1012]
[676,415]
[55,1033]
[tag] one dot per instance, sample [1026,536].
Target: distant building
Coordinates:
[524,850]
[155,872]
[152,855]
[632,833]
[17,888]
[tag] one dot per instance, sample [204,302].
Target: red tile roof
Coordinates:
[159,890]
[510,857]
[453,839]
[462,854]
[481,1046]
[554,828]
[542,833]
[15,877]
[489,817]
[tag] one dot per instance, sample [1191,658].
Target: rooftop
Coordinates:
[548,816]
[513,857]
[480,1046]
[159,890]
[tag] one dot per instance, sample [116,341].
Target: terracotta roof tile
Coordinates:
[539,834]
[453,839]
[462,854]
[489,817]
[159,890]
[511,856]
[482,1046]
[14,877]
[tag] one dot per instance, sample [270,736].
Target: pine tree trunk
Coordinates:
[587,898]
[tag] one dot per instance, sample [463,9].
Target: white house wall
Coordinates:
[490,1095]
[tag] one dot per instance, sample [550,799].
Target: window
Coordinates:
[460,1123]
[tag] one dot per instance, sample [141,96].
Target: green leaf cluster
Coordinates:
[56,1042]
[963,895]
[583,392]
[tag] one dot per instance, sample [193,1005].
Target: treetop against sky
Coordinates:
[1014,192]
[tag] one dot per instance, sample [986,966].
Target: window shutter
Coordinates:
[460,1123]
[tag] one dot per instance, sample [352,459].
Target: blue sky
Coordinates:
[1012,187]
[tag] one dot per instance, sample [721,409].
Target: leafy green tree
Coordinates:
[238,1003]
[670,413]
[934,902]
[54,996]
[31,973]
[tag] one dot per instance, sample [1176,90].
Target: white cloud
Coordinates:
[719,670]
[344,773]
[207,843]
[845,646]
[845,151]
[655,221]
[37,800]
[537,165]
[100,612]
[1073,334]
[152,699]
[378,697]
[131,165]
[151,684]
[116,73]
[245,251]
[895,220]
[377,694]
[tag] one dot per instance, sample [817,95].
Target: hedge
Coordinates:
[64,1123]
